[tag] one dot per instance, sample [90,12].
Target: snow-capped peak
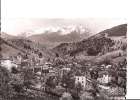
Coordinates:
[61,29]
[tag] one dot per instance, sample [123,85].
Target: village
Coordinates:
[59,77]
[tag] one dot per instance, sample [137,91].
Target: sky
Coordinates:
[20,16]
[15,26]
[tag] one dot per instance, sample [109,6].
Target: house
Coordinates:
[105,67]
[37,68]
[51,71]
[19,57]
[84,81]
[104,77]
[80,79]
[102,67]
[48,64]
[45,67]
[64,71]
[66,68]
[8,63]
[103,86]
[108,66]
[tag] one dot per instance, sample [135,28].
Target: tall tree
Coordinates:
[78,87]
[28,77]
[50,83]
[5,87]
[68,81]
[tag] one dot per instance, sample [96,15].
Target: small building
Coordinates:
[108,66]
[104,77]
[84,81]
[105,67]
[66,68]
[7,63]
[102,67]
[51,71]
[19,57]
[103,86]
[37,68]
[80,79]
[49,64]
[64,71]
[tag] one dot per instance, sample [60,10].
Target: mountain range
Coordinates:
[56,35]
[107,43]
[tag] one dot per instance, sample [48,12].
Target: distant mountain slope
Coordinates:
[120,30]
[11,47]
[98,44]
[7,49]
[57,37]
[52,39]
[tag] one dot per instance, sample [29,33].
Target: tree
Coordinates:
[1,55]
[56,54]
[25,56]
[50,83]
[92,51]
[86,96]
[14,70]
[40,55]
[59,61]
[124,47]
[94,90]
[94,74]
[17,84]
[78,87]
[6,90]
[0,48]
[68,81]
[28,77]
[107,61]
[66,96]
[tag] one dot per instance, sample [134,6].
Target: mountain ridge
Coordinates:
[54,38]
[101,42]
